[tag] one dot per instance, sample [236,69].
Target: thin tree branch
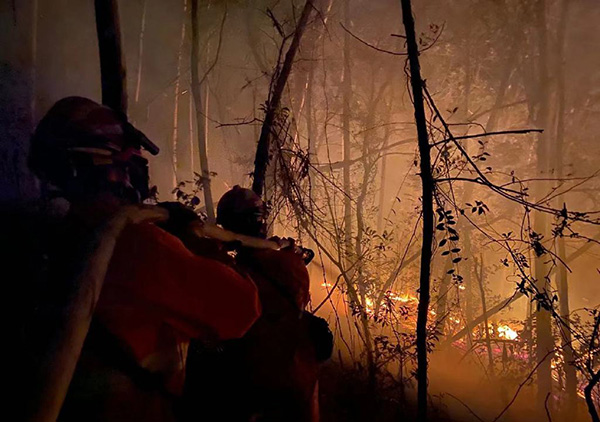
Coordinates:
[481,135]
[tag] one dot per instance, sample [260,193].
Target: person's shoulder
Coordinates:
[150,231]
[150,237]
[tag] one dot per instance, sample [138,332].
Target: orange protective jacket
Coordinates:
[157,295]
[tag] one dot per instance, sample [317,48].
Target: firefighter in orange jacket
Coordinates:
[271,373]
[148,294]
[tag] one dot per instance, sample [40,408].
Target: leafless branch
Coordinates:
[481,135]
[381,50]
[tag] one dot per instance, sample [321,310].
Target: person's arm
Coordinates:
[58,363]
[194,292]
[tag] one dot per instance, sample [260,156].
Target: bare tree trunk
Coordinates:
[442,300]
[509,64]
[200,121]
[140,112]
[310,132]
[204,127]
[545,342]
[561,276]
[381,199]
[382,180]
[191,133]
[479,274]
[347,99]
[310,115]
[261,160]
[360,227]
[138,79]
[112,62]
[360,281]
[18,21]
[427,203]
[175,134]
[34,47]
[467,270]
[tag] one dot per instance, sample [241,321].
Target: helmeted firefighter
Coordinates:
[147,292]
[270,374]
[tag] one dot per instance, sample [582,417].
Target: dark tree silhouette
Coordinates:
[261,160]
[427,203]
[197,93]
[112,63]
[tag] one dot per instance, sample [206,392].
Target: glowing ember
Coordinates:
[404,298]
[369,306]
[505,332]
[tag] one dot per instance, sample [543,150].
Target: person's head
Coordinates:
[242,211]
[88,150]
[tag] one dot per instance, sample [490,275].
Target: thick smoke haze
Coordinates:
[344,174]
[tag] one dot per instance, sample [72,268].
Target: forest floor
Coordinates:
[459,392]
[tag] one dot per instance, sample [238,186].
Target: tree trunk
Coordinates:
[381,201]
[191,133]
[347,99]
[463,113]
[138,79]
[261,160]
[360,227]
[310,132]
[427,200]
[175,134]
[468,272]
[33,74]
[18,21]
[561,276]
[112,62]
[200,121]
[479,274]
[442,299]
[545,342]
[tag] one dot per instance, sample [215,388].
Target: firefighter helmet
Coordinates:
[242,211]
[81,146]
